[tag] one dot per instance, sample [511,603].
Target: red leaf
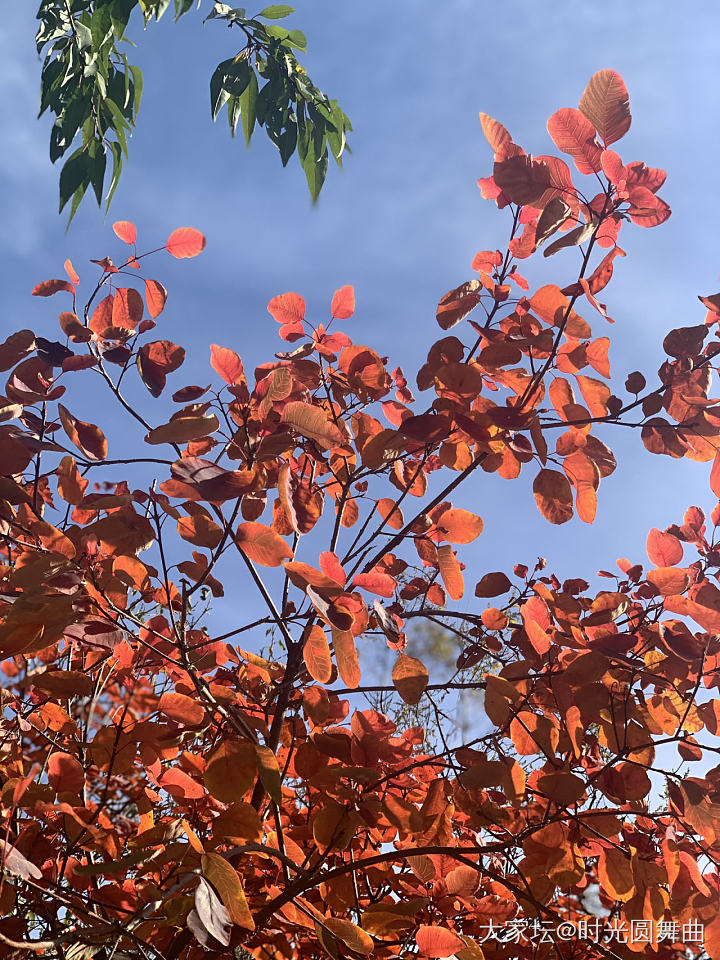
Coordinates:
[155,296]
[522,178]
[376,582]
[125,231]
[288,308]
[88,438]
[497,136]
[49,287]
[458,303]
[227,363]
[553,496]
[715,476]
[65,773]
[606,104]
[574,134]
[438,942]
[492,585]
[185,242]
[127,308]
[180,786]
[343,303]
[330,566]
[663,549]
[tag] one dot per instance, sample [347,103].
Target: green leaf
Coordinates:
[276,11]
[98,159]
[297,39]
[216,87]
[315,168]
[75,171]
[248,103]
[287,141]
[277,33]
[119,123]
[138,87]
[116,151]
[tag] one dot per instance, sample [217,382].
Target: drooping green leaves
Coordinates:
[296,115]
[94,93]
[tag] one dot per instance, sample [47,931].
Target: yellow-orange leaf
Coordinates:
[316,654]
[410,677]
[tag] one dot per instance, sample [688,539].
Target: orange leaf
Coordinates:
[231,770]
[410,677]
[459,526]
[715,476]
[312,422]
[183,429]
[553,496]
[185,242]
[450,572]
[226,881]
[155,297]
[351,935]
[496,134]
[127,308]
[180,785]
[552,306]
[438,942]
[261,544]
[182,709]
[458,303]
[316,654]
[346,657]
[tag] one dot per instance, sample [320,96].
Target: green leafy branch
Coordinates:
[295,114]
[94,92]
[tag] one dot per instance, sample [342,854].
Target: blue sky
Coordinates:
[404,218]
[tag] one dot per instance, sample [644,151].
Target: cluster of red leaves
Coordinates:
[167,793]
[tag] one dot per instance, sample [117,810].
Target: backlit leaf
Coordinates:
[125,231]
[410,677]
[261,544]
[606,104]
[553,496]
[185,242]
[437,942]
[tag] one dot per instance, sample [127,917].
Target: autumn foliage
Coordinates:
[168,792]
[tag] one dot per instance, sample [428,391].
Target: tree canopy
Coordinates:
[170,791]
[93,90]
